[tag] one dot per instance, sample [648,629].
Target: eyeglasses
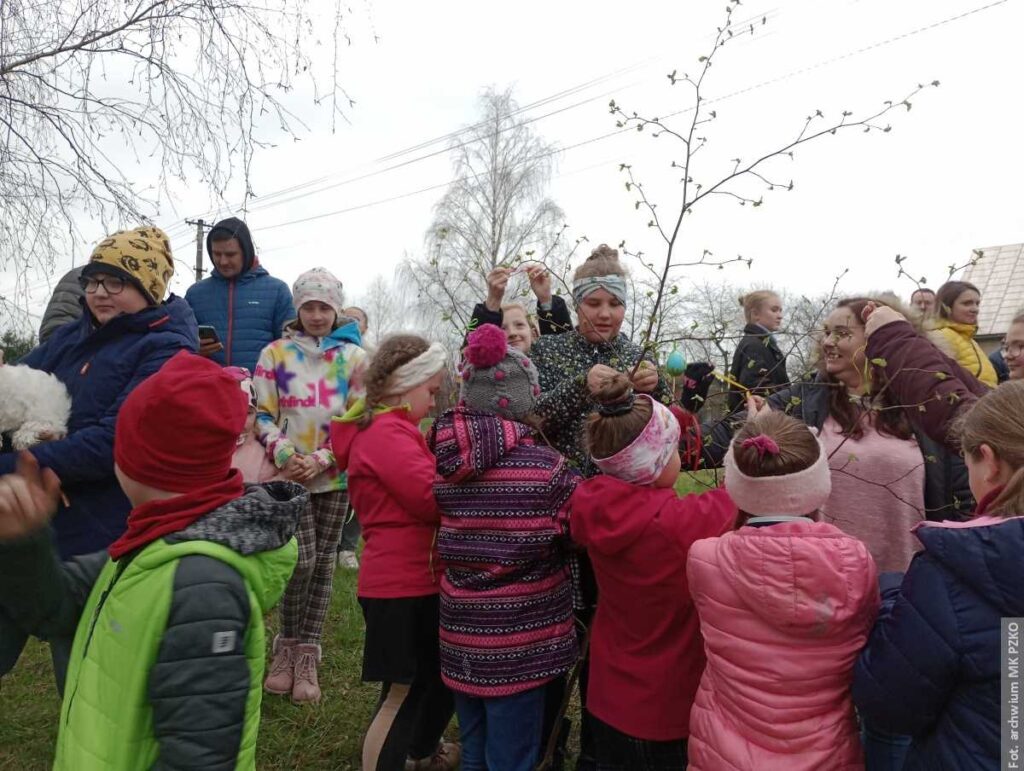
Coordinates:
[1013,350]
[111,284]
[838,334]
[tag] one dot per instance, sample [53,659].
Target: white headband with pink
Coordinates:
[641,461]
[794,494]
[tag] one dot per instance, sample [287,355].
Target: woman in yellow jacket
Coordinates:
[953,329]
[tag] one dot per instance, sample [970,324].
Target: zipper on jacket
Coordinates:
[121,566]
[231,321]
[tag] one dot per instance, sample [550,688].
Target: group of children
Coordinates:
[734,630]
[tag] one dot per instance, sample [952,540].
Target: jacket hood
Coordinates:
[613,513]
[256,526]
[468,442]
[983,554]
[806,578]
[348,332]
[345,429]
[233,227]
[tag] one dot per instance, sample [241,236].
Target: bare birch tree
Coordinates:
[495,213]
[91,91]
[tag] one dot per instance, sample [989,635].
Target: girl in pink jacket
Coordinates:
[786,604]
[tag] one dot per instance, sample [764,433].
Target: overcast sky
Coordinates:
[947,179]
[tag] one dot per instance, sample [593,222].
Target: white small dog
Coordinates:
[32,403]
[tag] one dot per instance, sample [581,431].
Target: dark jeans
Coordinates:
[617,751]
[883,751]
[501,734]
[350,532]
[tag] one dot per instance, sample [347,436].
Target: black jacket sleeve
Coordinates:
[717,433]
[484,315]
[200,682]
[757,365]
[39,595]
[556,320]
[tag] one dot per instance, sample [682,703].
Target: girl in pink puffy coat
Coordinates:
[785,604]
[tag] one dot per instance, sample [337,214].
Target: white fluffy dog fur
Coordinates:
[32,402]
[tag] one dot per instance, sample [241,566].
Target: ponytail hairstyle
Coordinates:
[607,433]
[752,302]
[393,352]
[797,447]
[777,445]
[997,419]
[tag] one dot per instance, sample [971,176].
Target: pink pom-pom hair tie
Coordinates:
[763,444]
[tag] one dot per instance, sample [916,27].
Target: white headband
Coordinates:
[418,370]
[798,494]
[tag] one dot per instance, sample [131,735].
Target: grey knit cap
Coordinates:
[497,378]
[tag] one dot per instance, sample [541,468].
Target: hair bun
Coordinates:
[486,346]
[603,251]
[614,390]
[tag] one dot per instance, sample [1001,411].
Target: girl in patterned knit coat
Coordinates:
[506,600]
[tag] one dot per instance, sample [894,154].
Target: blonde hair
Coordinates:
[997,419]
[752,302]
[603,261]
[531,320]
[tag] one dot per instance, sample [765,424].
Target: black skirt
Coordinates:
[401,643]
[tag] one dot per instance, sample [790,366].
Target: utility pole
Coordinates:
[200,225]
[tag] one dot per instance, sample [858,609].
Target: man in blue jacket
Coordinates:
[246,305]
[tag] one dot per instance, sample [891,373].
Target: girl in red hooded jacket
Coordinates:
[786,603]
[390,481]
[646,650]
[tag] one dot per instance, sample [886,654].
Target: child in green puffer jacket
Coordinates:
[168,657]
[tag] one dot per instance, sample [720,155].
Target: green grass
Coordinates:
[328,737]
[697,481]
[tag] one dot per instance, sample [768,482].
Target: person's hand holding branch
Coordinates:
[497,282]
[645,377]
[540,283]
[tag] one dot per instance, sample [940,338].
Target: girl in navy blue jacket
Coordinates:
[932,666]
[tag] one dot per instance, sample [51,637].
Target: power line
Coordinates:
[731,95]
[269,199]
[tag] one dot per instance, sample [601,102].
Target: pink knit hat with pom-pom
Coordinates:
[497,378]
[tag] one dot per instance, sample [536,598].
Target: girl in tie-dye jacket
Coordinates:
[314,373]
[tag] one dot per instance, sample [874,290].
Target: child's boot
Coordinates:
[306,686]
[282,666]
[445,758]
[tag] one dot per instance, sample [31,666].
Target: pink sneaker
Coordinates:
[282,665]
[306,686]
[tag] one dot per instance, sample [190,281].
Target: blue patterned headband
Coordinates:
[613,285]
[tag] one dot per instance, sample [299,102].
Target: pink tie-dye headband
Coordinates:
[642,460]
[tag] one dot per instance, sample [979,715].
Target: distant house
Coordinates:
[999,276]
